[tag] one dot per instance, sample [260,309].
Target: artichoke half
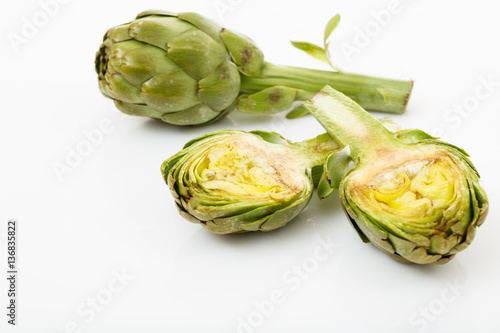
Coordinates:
[187,70]
[416,198]
[233,181]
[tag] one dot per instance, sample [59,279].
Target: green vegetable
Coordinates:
[233,181]
[185,69]
[416,198]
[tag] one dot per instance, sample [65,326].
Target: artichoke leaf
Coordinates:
[196,52]
[198,114]
[158,31]
[271,137]
[137,109]
[268,101]
[141,64]
[334,170]
[155,12]
[182,91]
[221,87]
[413,136]
[297,112]
[204,24]
[119,33]
[245,54]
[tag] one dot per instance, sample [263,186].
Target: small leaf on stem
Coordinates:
[313,50]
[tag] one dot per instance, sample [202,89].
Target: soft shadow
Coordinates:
[330,205]
[160,126]
[314,219]
[237,119]
[452,268]
[233,121]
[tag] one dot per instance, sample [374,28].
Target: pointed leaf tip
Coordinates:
[330,27]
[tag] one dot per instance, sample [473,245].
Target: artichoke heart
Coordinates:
[238,167]
[422,197]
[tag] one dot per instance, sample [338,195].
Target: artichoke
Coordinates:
[416,198]
[234,181]
[186,70]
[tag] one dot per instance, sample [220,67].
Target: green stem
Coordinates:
[349,124]
[314,151]
[372,93]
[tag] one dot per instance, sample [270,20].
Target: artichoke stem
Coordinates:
[372,93]
[315,151]
[349,124]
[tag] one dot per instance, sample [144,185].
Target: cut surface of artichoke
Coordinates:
[239,167]
[233,181]
[416,199]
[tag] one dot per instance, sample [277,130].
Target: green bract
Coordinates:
[416,198]
[185,69]
[233,181]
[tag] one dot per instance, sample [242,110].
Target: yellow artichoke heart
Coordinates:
[238,167]
[418,192]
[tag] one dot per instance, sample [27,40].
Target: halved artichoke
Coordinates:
[233,181]
[416,198]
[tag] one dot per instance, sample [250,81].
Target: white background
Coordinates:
[114,215]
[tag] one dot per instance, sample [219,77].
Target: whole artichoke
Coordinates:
[416,198]
[186,70]
[233,181]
